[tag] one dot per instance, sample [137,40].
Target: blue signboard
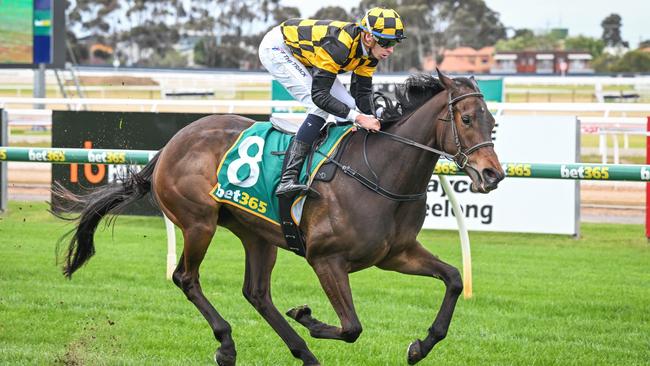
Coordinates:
[42,31]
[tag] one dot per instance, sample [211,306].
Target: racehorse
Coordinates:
[349,227]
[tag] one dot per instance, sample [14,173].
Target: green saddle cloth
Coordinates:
[249,172]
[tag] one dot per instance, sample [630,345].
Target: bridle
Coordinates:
[461,157]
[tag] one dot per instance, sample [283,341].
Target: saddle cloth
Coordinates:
[249,172]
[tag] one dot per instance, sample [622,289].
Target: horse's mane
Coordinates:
[416,90]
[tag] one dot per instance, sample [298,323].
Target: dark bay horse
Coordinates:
[347,229]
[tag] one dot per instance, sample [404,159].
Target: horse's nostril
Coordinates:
[491,176]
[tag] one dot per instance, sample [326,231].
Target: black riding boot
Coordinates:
[293,160]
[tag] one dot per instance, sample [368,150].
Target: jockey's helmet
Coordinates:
[385,25]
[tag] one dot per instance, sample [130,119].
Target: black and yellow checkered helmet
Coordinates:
[383,23]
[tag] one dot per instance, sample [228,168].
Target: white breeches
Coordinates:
[294,76]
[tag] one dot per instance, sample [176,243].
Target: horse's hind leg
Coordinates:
[260,259]
[418,261]
[197,238]
[333,276]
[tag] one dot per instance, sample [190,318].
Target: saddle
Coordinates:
[291,231]
[292,235]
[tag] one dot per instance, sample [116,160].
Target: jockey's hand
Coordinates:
[368,122]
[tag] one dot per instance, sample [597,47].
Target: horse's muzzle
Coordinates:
[484,181]
[491,178]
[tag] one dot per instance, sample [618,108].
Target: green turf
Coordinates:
[598,159]
[539,300]
[535,93]
[569,87]
[634,141]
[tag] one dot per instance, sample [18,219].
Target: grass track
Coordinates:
[539,300]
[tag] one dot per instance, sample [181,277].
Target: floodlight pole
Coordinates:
[39,84]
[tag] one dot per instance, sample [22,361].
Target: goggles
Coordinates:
[386,43]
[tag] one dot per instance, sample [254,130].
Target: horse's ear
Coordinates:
[474,82]
[446,81]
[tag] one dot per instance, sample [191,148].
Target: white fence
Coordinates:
[153,104]
[604,119]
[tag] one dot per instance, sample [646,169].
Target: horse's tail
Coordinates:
[110,199]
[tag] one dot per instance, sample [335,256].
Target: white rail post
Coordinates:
[171,247]
[464,238]
[616,152]
[602,145]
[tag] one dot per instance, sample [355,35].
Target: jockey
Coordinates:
[306,55]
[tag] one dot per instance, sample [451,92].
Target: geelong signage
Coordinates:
[520,205]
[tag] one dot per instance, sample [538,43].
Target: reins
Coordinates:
[461,157]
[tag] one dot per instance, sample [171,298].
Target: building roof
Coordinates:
[490,50]
[467,60]
[469,51]
[101,47]
[456,64]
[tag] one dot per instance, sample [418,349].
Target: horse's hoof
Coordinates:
[298,312]
[223,359]
[414,353]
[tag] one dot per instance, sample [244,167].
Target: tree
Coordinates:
[208,53]
[471,23]
[612,31]
[583,43]
[527,41]
[153,29]
[634,61]
[282,13]
[77,52]
[97,19]
[205,52]
[333,13]
[236,32]
[523,32]
[434,25]
[605,62]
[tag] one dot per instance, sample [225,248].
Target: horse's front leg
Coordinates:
[260,259]
[417,260]
[332,273]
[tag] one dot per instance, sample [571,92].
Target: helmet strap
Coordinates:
[370,30]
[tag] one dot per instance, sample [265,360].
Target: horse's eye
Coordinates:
[466,120]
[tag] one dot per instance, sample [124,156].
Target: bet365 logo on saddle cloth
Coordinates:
[248,174]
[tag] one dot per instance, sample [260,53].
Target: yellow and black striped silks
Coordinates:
[328,45]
